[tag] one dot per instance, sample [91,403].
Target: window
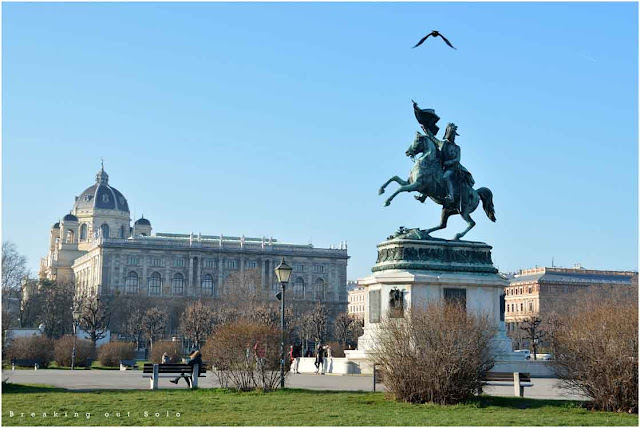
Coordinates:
[298,289]
[177,284]
[179,262]
[530,289]
[299,267]
[132,260]
[209,263]
[122,232]
[318,268]
[131,282]
[207,285]
[251,264]
[156,261]
[83,232]
[232,264]
[319,290]
[105,230]
[530,306]
[155,284]
[521,307]
[456,295]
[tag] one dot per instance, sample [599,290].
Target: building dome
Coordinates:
[56,226]
[143,222]
[68,217]
[101,196]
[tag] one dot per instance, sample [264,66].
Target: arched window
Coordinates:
[298,288]
[83,232]
[105,230]
[70,237]
[131,282]
[177,284]
[319,290]
[122,233]
[155,283]
[207,285]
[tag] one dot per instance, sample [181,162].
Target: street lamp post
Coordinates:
[76,319]
[283,272]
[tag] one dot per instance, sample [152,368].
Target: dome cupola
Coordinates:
[101,196]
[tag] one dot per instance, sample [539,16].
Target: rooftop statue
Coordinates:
[437,174]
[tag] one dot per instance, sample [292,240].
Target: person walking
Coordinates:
[319,355]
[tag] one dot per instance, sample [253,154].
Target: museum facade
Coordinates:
[96,248]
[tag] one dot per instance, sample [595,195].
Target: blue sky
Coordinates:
[284,120]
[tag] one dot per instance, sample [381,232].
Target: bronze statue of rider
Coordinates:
[454,173]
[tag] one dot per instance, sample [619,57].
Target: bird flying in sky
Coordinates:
[434,33]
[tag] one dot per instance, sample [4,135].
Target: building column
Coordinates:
[190,278]
[143,284]
[199,275]
[263,274]
[219,284]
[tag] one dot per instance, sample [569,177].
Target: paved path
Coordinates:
[132,379]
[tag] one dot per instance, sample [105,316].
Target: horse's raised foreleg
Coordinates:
[446,213]
[467,217]
[395,178]
[405,188]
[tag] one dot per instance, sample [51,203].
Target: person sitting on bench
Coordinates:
[194,358]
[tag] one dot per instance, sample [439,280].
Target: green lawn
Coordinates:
[289,407]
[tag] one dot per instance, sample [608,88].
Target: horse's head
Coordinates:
[417,146]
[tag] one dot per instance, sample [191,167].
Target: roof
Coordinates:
[69,217]
[101,196]
[143,222]
[589,277]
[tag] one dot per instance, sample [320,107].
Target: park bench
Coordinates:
[172,370]
[25,363]
[124,364]
[520,381]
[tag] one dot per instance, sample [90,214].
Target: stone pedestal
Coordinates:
[410,273]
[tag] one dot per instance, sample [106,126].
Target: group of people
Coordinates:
[323,358]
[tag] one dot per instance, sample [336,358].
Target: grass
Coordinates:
[286,408]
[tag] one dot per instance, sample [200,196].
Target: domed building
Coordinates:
[95,247]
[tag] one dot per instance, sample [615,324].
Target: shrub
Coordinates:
[174,349]
[245,354]
[31,348]
[63,350]
[595,345]
[110,354]
[438,354]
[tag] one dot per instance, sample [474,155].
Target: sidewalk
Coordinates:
[132,379]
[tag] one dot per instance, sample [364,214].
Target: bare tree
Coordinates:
[342,327]
[154,323]
[95,317]
[596,347]
[54,309]
[242,292]
[533,333]
[134,325]
[319,319]
[356,330]
[14,267]
[197,323]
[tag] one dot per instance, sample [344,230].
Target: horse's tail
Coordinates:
[487,202]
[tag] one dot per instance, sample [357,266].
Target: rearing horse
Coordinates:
[426,177]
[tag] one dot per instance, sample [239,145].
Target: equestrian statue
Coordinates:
[437,174]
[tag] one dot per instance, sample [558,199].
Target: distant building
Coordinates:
[95,247]
[356,301]
[535,291]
